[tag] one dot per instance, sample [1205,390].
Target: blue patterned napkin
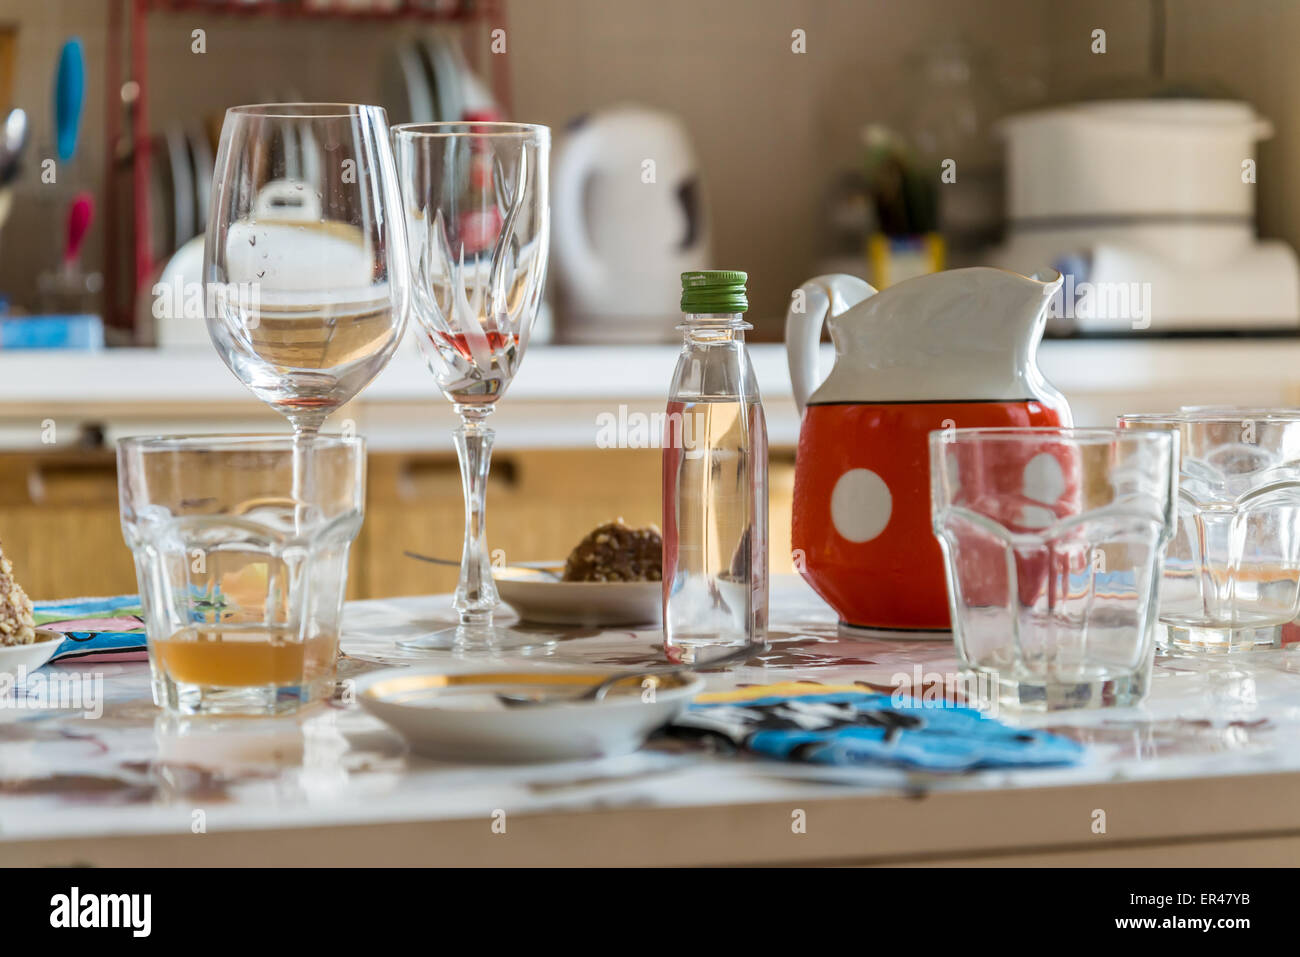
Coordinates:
[840,726]
[108,629]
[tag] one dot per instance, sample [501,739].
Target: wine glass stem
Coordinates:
[476,595]
[303,434]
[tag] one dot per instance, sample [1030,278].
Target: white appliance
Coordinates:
[294,261]
[1147,207]
[628,217]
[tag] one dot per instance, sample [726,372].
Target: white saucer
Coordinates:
[30,657]
[450,711]
[541,597]
[892,634]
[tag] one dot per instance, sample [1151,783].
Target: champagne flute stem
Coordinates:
[476,594]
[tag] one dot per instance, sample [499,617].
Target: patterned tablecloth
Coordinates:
[115,765]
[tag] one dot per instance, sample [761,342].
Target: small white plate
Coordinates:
[30,657]
[451,712]
[543,598]
[861,633]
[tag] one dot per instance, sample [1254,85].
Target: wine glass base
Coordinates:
[481,641]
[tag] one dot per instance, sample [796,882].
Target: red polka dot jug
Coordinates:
[955,349]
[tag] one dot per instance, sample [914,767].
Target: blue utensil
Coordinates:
[69,97]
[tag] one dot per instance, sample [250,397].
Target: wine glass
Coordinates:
[305,270]
[478,222]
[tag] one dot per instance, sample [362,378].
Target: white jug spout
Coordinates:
[972,311]
[960,335]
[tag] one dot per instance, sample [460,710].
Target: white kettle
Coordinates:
[628,218]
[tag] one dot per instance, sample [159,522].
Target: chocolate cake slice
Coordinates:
[17,626]
[615,552]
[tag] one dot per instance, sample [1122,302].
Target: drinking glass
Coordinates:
[242,574]
[1232,575]
[478,220]
[305,260]
[1052,541]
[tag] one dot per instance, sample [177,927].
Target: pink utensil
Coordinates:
[80,214]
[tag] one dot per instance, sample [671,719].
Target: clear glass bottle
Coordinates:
[714,476]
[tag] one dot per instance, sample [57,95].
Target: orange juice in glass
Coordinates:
[241,548]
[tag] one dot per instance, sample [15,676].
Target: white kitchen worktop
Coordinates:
[642,371]
[561,390]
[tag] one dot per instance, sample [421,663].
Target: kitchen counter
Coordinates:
[118,376]
[562,390]
[1205,772]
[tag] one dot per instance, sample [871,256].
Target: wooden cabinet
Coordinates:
[540,503]
[59,515]
[59,524]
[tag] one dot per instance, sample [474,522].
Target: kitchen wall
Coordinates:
[30,241]
[247,60]
[771,126]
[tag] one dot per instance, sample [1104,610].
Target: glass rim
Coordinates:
[446,129]
[305,110]
[235,442]
[1210,414]
[1089,435]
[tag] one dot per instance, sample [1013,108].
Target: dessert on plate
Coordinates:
[616,552]
[17,624]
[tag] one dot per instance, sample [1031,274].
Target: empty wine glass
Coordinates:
[478,220]
[305,268]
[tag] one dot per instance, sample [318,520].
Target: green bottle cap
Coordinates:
[714,290]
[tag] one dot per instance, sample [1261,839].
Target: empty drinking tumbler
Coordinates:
[1052,542]
[1232,575]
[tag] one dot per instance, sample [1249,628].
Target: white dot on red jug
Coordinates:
[1043,480]
[860,505]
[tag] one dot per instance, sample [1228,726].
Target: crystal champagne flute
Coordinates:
[478,220]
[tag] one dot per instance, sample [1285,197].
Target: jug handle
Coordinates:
[834,293]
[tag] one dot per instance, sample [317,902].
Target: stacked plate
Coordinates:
[428,80]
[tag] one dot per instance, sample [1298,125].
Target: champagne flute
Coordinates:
[307,286]
[478,221]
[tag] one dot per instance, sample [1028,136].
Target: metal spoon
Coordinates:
[545,568]
[598,691]
[13,137]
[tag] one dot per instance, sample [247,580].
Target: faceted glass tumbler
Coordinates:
[241,554]
[1232,575]
[1052,542]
